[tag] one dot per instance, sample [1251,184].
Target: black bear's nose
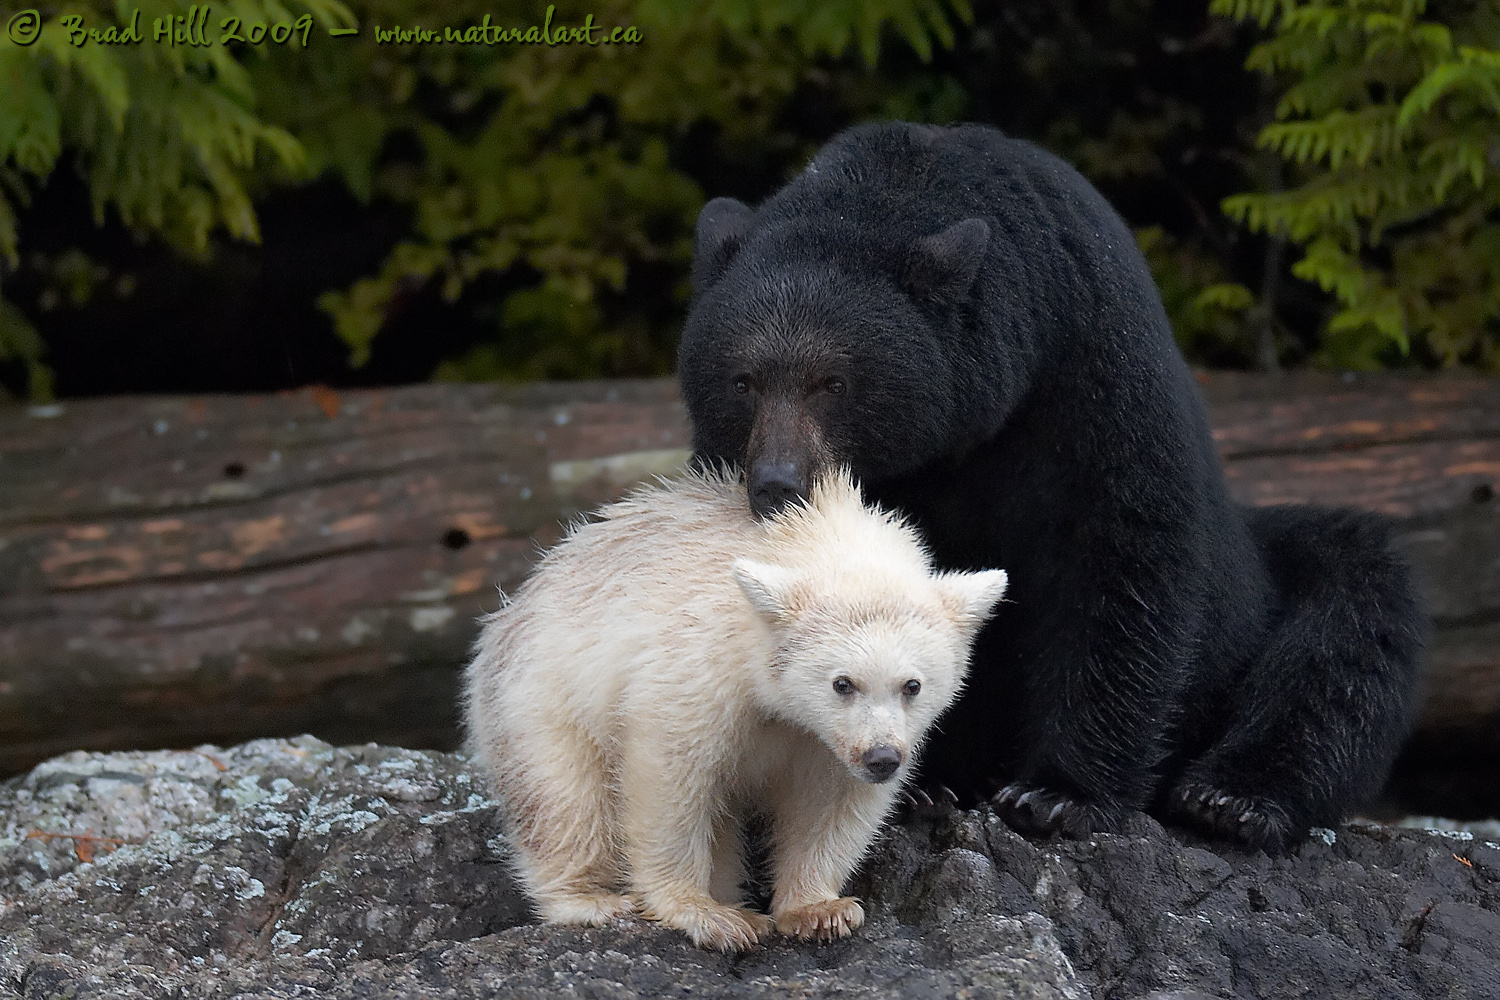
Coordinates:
[881,762]
[773,485]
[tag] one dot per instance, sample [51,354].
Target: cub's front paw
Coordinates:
[586,909]
[1251,820]
[1034,809]
[824,921]
[710,924]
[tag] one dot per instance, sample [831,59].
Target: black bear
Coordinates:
[963,320]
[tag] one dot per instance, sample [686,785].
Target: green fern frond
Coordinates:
[1358,135]
[1232,296]
[20,341]
[1478,76]
[1393,127]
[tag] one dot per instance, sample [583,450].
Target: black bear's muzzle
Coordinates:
[773,485]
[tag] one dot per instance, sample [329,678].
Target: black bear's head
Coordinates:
[812,344]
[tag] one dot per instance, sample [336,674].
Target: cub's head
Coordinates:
[868,669]
[871,644]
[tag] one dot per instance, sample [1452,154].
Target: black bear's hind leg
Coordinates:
[1325,704]
[1253,822]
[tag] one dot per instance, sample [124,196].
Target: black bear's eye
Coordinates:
[741,385]
[843,685]
[834,386]
[910,688]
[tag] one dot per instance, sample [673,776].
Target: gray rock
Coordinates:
[293,869]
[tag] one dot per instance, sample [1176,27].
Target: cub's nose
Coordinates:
[773,485]
[880,762]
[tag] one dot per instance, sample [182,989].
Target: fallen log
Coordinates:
[194,569]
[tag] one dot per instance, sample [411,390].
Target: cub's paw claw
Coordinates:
[825,921]
[1032,809]
[1249,820]
[759,922]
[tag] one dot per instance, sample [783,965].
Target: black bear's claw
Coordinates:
[1253,821]
[917,804]
[1031,809]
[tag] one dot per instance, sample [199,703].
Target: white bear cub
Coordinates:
[677,666]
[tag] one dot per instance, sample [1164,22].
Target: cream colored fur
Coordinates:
[669,670]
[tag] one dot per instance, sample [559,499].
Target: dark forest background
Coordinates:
[1313,183]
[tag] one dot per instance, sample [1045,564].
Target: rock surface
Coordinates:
[293,869]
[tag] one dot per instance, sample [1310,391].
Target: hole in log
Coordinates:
[1483,493]
[234,470]
[456,538]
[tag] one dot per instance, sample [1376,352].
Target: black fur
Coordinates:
[962,319]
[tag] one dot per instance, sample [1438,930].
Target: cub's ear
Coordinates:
[774,591]
[942,266]
[721,227]
[970,598]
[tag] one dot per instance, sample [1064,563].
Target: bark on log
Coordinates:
[180,570]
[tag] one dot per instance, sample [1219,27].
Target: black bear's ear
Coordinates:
[721,227]
[943,266]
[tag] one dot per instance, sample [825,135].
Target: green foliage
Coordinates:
[168,136]
[555,162]
[1391,118]
[549,168]
[552,189]
[19,341]
[826,28]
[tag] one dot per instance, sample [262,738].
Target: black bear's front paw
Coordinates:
[1033,809]
[915,805]
[1252,821]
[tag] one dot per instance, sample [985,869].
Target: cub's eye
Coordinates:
[843,685]
[910,688]
[834,386]
[742,385]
